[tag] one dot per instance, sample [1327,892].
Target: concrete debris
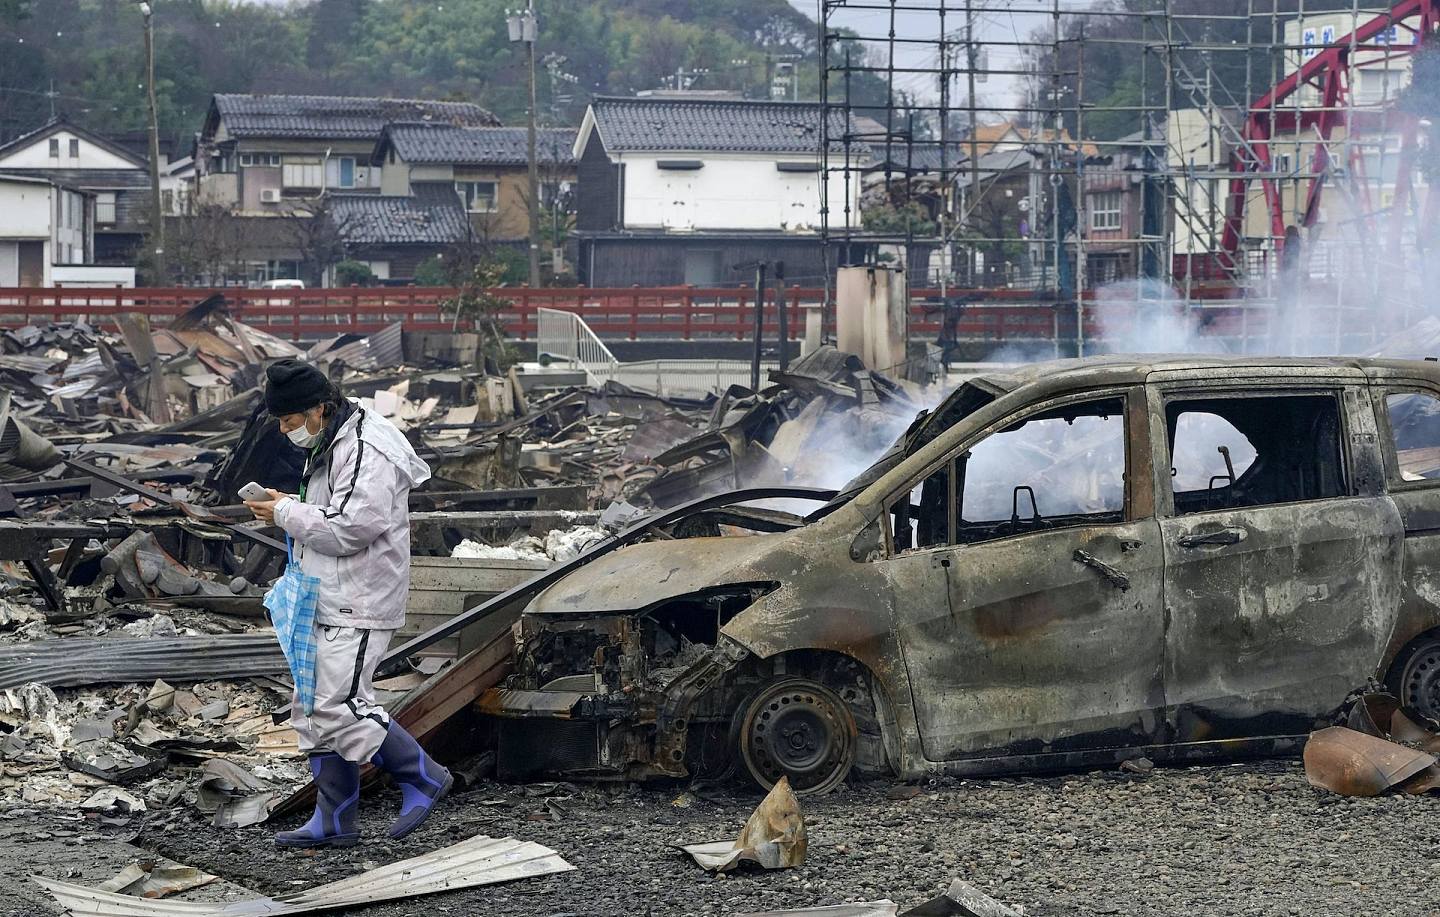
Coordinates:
[773,838]
[474,862]
[153,880]
[557,546]
[113,800]
[233,795]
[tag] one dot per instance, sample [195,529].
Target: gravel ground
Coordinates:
[1244,839]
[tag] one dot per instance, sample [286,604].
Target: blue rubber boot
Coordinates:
[337,800]
[422,782]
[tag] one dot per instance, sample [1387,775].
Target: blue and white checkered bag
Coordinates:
[292,602]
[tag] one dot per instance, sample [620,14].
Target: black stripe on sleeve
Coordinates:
[354,475]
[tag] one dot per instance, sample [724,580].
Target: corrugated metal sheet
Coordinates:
[478,861]
[385,346]
[72,661]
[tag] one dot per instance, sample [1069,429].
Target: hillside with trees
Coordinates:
[83,58]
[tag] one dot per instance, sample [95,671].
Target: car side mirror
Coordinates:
[869,543]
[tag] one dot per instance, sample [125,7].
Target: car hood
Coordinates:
[641,575]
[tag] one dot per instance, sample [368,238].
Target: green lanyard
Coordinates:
[305,475]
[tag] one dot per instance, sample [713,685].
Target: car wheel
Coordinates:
[797,728]
[1419,684]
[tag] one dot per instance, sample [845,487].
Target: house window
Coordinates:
[267,160]
[105,207]
[1105,210]
[479,196]
[54,147]
[74,149]
[340,172]
[302,172]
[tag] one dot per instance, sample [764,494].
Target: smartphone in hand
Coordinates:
[253,491]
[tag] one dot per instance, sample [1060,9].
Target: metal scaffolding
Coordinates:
[1249,123]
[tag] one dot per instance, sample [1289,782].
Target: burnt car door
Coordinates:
[1281,553]
[1026,573]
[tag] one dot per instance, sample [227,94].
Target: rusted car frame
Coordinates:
[1189,557]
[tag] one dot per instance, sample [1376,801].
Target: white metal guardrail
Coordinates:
[565,337]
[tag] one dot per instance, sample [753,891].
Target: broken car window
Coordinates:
[1280,449]
[1415,431]
[1063,467]
[1209,452]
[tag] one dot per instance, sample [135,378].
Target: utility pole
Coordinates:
[157,218]
[521,24]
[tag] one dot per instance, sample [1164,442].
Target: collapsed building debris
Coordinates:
[149,879]
[1379,747]
[787,433]
[477,861]
[126,559]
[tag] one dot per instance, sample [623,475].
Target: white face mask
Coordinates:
[302,437]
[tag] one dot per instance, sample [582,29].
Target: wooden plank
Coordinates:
[470,574]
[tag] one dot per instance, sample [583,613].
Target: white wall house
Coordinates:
[704,164]
[43,224]
[683,188]
[721,191]
[117,178]
[65,147]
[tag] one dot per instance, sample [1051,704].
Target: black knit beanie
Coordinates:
[292,386]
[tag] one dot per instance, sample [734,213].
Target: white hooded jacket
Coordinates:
[353,529]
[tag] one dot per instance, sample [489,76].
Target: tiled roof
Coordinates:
[712,125]
[433,215]
[341,117]
[499,146]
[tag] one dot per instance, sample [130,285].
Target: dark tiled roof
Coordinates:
[343,117]
[920,157]
[434,215]
[712,125]
[500,146]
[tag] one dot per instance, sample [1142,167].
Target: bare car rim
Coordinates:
[800,729]
[1420,685]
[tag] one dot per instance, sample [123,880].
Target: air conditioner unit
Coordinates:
[270,195]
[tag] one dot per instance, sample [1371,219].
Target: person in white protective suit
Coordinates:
[350,525]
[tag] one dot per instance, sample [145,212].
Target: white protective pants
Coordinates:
[346,719]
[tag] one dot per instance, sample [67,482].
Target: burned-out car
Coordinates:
[1061,566]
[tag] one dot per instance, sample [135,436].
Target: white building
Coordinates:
[42,225]
[681,189]
[117,177]
[1376,75]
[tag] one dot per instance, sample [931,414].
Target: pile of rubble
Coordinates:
[138,672]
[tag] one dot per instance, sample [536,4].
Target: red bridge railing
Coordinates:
[625,313]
